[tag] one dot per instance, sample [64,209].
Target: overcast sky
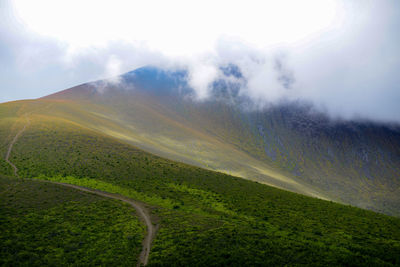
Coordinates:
[344,56]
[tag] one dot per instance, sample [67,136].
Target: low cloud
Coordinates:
[349,72]
[200,78]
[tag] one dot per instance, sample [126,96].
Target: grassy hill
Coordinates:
[289,146]
[166,126]
[205,217]
[43,224]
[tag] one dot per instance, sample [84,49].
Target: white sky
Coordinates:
[179,27]
[344,55]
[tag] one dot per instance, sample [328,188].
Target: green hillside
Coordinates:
[43,224]
[166,126]
[205,218]
[289,146]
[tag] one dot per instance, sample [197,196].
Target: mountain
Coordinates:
[84,138]
[288,145]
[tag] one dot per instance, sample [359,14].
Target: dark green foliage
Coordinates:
[43,224]
[5,168]
[203,240]
[214,219]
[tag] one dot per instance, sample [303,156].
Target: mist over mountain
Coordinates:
[342,57]
[230,84]
[290,144]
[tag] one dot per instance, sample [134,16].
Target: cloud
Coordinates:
[351,73]
[201,75]
[342,56]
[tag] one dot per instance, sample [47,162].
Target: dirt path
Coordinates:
[141,211]
[10,147]
[139,207]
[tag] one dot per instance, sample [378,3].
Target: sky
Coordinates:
[343,56]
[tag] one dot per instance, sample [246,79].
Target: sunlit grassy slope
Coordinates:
[288,146]
[144,121]
[206,218]
[43,224]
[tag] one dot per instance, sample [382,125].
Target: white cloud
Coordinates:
[113,68]
[342,55]
[201,75]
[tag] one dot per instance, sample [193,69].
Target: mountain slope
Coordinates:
[290,146]
[206,218]
[149,122]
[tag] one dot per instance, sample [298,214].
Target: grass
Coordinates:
[156,129]
[279,147]
[276,229]
[43,224]
[209,218]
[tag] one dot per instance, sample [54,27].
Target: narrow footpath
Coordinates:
[141,210]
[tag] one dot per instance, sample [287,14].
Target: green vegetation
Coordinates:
[205,217]
[269,226]
[43,224]
[210,218]
[291,147]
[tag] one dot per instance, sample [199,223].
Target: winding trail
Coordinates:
[141,210]
[10,147]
